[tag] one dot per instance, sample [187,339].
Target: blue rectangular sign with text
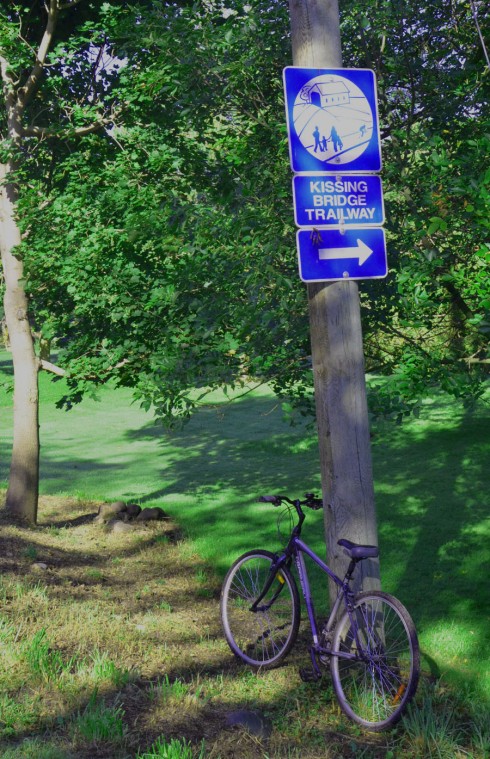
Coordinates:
[338,201]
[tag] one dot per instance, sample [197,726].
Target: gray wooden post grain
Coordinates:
[337,352]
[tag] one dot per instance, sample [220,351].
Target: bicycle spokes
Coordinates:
[260,633]
[374,681]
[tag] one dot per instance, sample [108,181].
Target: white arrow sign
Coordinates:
[361,251]
[325,256]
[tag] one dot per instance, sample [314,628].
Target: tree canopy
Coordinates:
[160,249]
[434,86]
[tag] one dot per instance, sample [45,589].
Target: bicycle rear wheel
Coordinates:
[375,685]
[264,637]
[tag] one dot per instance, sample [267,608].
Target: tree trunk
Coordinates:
[342,418]
[337,351]
[23,490]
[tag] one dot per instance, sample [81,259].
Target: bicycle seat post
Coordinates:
[350,571]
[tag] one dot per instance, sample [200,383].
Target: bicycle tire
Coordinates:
[374,690]
[262,638]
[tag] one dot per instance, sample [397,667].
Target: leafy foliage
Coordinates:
[170,246]
[431,326]
[160,251]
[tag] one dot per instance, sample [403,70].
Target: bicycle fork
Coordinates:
[274,573]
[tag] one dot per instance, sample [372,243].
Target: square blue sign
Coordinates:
[332,119]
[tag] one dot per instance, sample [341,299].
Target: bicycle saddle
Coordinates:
[356,551]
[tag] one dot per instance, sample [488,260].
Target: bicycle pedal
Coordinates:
[309,675]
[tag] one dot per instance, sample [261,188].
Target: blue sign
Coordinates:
[331,254]
[338,201]
[332,117]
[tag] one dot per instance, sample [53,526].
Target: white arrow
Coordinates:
[361,251]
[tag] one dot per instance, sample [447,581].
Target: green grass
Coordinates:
[431,490]
[99,669]
[173,749]
[99,722]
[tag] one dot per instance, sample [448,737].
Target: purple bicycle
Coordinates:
[369,639]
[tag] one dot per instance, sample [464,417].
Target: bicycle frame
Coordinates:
[296,549]
[299,549]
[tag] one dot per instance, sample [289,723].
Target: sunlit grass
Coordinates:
[99,722]
[172,749]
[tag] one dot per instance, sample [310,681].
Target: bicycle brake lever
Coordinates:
[314,503]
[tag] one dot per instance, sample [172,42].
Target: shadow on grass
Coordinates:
[202,712]
[67,568]
[432,501]
[433,506]
[6,366]
[431,482]
[240,446]
[304,718]
[434,535]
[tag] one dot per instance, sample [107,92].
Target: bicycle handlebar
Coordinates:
[311,501]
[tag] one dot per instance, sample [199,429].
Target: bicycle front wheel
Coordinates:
[379,674]
[261,638]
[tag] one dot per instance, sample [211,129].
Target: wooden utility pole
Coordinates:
[337,351]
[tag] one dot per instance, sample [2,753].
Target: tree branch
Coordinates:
[49,367]
[45,132]
[9,92]
[95,67]
[26,92]
[4,67]
[482,41]
[388,328]
[457,299]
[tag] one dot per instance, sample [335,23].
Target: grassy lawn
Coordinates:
[432,503]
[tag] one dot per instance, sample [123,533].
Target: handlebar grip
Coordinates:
[274,499]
